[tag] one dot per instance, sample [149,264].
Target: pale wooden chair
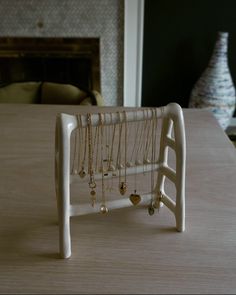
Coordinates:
[172,137]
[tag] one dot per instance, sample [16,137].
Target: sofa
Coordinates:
[48,93]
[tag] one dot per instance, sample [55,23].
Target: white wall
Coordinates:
[133,52]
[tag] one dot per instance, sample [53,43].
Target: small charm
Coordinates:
[151,210]
[103,209]
[135,199]
[123,188]
[147,161]
[93,193]
[82,173]
[93,197]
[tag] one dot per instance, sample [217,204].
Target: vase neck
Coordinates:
[221,49]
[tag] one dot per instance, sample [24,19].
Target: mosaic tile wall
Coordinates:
[74,18]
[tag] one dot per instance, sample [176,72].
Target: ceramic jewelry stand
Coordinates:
[172,117]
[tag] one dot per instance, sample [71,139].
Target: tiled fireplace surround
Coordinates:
[102,19]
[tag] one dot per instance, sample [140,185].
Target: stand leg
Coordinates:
[63,189]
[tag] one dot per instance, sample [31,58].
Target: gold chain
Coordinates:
[92,183]
[103,207]
[82,172]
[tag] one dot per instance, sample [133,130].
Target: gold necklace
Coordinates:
[130,164]
[122,183]
[97,149]
[111,166]
[92,183]
[151,208]
[110,144]
[103,207]
[94,148]
[82,172]
[129,146]
[140,138]
[146,160]
[135,198]
[74,170]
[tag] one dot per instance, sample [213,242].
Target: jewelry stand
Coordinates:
[172,117]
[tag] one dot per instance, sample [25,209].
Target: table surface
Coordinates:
[127,251]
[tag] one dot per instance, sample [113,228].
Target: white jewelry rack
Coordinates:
[172,117]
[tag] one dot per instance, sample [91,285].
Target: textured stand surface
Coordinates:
[127,252]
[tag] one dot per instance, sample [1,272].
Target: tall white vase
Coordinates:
[215,90]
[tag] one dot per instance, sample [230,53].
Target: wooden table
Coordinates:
[127,251]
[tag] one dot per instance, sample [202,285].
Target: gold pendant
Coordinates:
[135,199]
[151,210]
[82,173]
[103,209]
[93,197]
[123,188]
[147,161]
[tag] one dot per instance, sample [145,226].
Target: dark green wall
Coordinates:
[179,37]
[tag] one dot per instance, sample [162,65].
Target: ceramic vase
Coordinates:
[215,90]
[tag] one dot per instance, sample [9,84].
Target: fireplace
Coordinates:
[62,60]
[75,19]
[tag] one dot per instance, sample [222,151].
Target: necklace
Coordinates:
[135,198]
[92,183]
[103,207]
[94,148]
[151,208]
[139,146]
[110,143]
[96,144]
[147,143]
[82,172]
[129,146]
[130,164]
[122,182]
[76,152]
[111,166]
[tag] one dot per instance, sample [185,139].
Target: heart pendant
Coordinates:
[135,199]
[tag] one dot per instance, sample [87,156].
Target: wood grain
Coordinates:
[126,251]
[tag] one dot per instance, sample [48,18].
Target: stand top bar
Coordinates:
[75,121]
